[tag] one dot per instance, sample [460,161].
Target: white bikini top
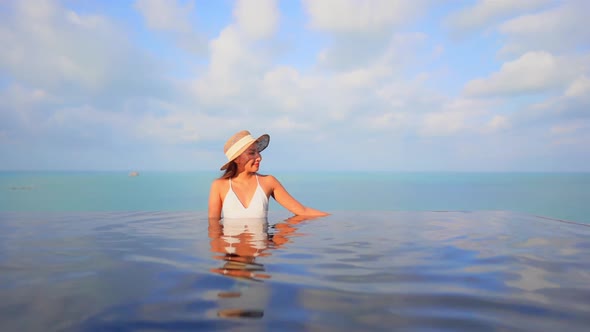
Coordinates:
[233,208]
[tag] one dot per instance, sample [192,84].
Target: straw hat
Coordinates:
[239,142]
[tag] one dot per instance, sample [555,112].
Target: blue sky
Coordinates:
[483,85]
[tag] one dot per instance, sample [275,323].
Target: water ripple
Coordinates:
[454,271]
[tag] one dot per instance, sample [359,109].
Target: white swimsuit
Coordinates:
[233,208]
[252,232]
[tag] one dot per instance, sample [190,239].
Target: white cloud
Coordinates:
[177,127]
[375,86]
[54,30]
[457,116]
[36,116]
[571,134]
[321,99]
[20,109]
[70,54]
[86,22]
[485,12]
[355,15]
[560,29]
[498,122]
[39,10]
[228,52]
[533,72]
[559,114]
[410,95]
[19,97]
[258,19]
[286,124]
[580,88]
[362,77]
[388,51]
[174,20]
[362,31]
[167,15]
[234,68]
[443,123]
[81,118]
[569,128]
[284,86]
[238,58]
[396,121]
[570,141]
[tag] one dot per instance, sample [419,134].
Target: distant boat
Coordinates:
[134,173]
[21,188]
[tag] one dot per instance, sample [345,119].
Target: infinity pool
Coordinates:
[349,271]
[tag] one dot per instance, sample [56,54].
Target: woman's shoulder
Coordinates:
[268,179]
[220,183]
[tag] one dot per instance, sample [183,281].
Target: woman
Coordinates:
[243,193]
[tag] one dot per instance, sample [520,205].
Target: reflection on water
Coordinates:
[238,243]
[352,271]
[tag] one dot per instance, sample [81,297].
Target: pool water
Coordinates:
[354,271]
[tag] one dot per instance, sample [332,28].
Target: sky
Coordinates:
[339,85]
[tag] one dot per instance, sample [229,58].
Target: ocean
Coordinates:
[103,251]
[553,195]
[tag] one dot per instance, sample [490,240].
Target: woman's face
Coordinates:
[250,159]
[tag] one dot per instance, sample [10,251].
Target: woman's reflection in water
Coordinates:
[239,242]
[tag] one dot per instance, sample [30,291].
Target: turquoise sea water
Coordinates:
[554,195]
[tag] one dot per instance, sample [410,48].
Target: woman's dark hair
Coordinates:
[231,171]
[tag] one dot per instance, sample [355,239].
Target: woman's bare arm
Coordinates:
[282,196]
[215,201]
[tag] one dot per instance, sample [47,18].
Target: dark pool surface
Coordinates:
[474,271]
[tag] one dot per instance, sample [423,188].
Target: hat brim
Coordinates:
[262,142]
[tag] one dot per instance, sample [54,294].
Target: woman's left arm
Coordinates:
[283,197]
